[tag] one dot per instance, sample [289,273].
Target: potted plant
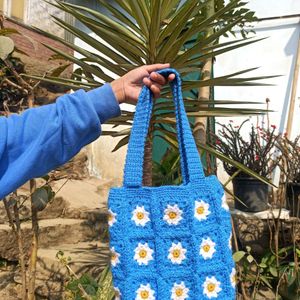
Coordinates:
[255,152]
[290,167]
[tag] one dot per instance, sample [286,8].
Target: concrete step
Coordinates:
[79,199]
[53,233]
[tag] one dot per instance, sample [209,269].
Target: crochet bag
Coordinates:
[169,242]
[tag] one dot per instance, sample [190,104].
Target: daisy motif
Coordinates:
[117,294]
[233,277]
[207,248]
[140,216]
[177,253]
[224,203]
[230,241]
[211,287]
[201,210]
[114,257]
[143,254]
[111,218]
[172,214]
[179,291]
[145,293]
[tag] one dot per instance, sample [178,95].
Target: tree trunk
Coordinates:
[147,173]
[204,92]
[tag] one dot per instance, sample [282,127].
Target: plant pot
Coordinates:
[292,199]
[252,192]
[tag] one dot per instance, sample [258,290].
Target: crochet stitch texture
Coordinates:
[169,242]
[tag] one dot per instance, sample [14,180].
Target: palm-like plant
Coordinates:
[135,33]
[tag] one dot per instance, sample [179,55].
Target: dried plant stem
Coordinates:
[20,80]
[18,233]
[34,244]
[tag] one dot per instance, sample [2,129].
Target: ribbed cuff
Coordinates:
[105,102]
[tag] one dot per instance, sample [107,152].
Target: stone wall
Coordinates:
[30,41]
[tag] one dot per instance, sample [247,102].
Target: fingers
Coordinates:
[158,78]
[171,77]
[155,67]
[153,86]
[155,81]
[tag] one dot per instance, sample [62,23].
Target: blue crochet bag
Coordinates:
[169,242]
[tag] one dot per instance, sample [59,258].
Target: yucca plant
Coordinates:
[134,33]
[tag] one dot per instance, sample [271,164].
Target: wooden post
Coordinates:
[293,93]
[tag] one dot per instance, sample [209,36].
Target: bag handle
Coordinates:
[191,167]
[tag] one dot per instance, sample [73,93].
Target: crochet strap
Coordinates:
[191,167]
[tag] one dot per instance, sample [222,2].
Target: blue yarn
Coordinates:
[169,242]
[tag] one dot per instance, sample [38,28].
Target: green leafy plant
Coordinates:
[85,287]
[279,273]
[167,171]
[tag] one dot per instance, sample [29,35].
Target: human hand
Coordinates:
[128,87]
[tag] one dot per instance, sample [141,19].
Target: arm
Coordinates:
[41,139]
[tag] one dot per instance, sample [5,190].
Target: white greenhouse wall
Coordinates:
[275,55]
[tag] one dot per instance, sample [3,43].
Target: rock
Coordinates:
[11,291]
[52,232]
[89,257]
[6,278]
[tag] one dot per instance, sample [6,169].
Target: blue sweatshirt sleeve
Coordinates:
[41,139]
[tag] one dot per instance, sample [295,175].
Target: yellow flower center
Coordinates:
[176,253]
[113,256]
[211,287]
[140,215]
[200,210]
[110,217]
[172,215]
[234,279]
[143,253]
[206,248]
[144,294]
[179,292]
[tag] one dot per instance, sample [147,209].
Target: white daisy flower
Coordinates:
[115,257]
[145,293]
[140,216]
[172,214]
[207,248]
[177,253]
[211,287]
[117,294]
[230,241]
[233,277]
[224,203]
[201,210]
[179,291]
[111,218]
[143,254]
